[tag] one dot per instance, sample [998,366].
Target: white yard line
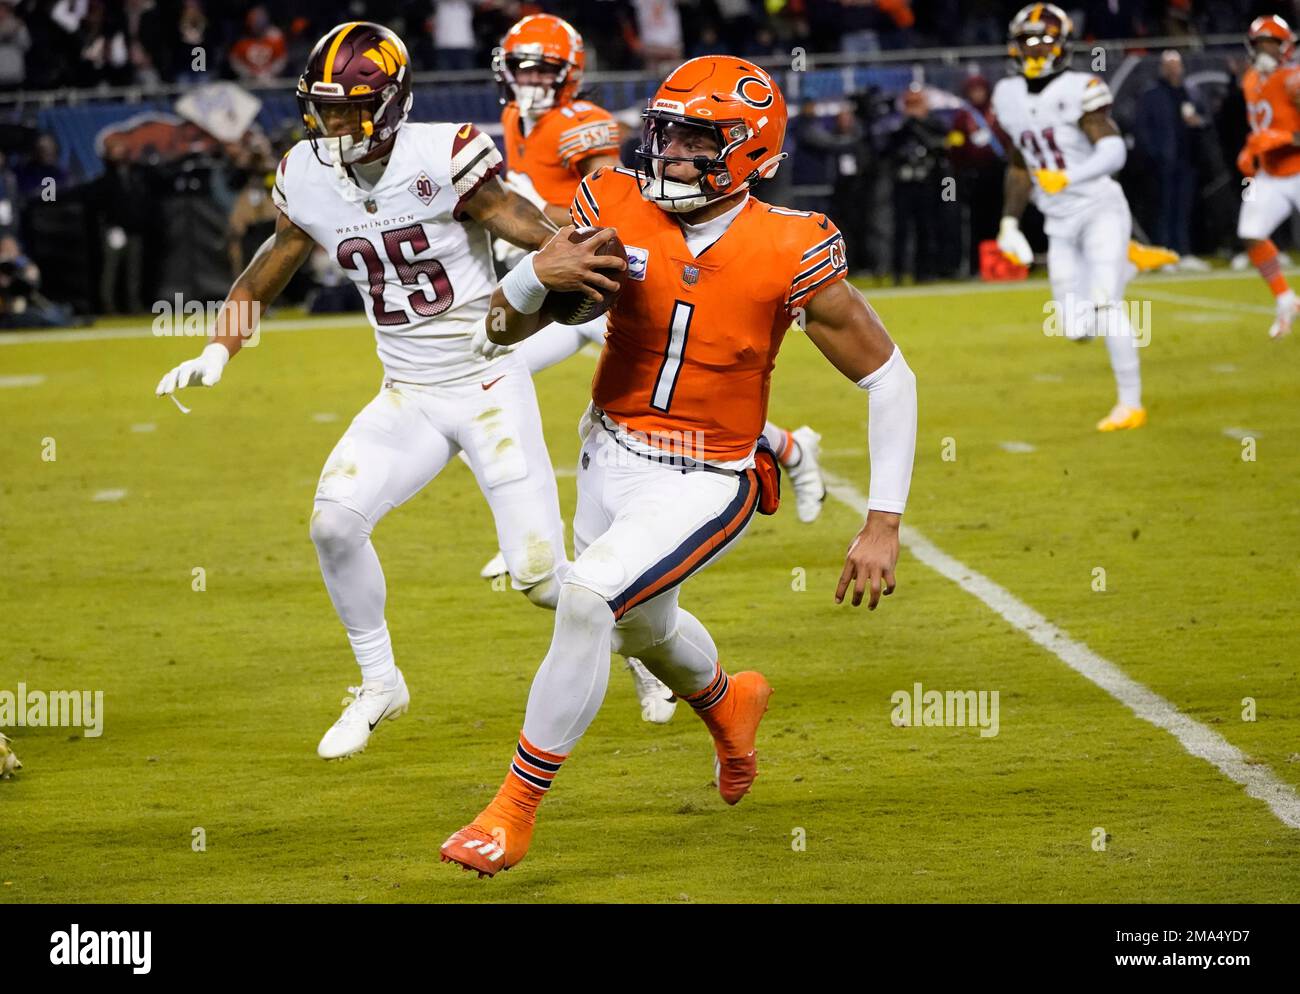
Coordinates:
[1198,739]
[1208,303]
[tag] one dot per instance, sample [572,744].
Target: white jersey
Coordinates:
[1045,128]
[423,269]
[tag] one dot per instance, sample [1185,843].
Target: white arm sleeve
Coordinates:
[891,432]
[1108,157]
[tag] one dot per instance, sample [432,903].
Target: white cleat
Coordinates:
[496,566]
[1287,305]
[657,702]
[806,475]
[366,708]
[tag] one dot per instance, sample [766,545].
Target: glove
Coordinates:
[203,371]
[1267,140]
[1013,244]
[1051,180]
[484,346]
[1246,161]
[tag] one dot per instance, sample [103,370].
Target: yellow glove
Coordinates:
[1051,180]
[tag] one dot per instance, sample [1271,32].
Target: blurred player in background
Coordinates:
[714,280]
[1271,156]
[1064,148]
[406,210]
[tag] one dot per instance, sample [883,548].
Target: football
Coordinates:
[575,307]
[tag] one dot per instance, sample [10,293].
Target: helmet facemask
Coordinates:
[1263,61]
[1050,54]
[364,132]
[533,99]
[713,177]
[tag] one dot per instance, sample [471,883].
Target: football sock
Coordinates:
[531,772]
[687,660]
[355,582]
[714,704]
[571,682]
[1264,256]
[374,652]
[554,343]
[783,444]
[1121,344]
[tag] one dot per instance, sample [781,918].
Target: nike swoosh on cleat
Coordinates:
[490,385]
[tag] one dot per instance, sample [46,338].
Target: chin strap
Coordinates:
[348,187]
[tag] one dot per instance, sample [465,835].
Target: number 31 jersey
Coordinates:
[422,267]
[1044,126]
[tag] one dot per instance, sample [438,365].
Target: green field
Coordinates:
[214,700]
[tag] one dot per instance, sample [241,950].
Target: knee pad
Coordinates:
[336,529]
[581,607]
[545,594]
[644,628]
[536,563]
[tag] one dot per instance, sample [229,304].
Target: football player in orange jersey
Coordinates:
[553,139]
[673,466]
[1271,156]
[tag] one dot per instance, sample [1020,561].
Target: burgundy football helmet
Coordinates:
[363,67]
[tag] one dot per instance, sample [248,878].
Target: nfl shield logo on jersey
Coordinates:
[690,275]
[424,188]
[637,260]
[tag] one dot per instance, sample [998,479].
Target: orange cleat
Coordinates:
[499,837]
[734,727]
[474,849]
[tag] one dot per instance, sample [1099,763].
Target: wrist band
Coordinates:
[522,288]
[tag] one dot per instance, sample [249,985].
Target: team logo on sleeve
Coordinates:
[637,261]
[424,188]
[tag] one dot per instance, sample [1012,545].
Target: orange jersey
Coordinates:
[1270,103]
[560,140]
[692,340]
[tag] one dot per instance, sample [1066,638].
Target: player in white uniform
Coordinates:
[406,210]
[1064,149]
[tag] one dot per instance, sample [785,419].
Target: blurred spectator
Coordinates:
[105,52]
[453,34]
[14,43]
[125,205]
[659,33]
[144,38]
[1112,19]
[261,53]
[252,218]
[977,160]
[850,163]
[41,165]
[193,32]
[21,302]
[860,26]
[738,23]
[1167,115]
[915,149]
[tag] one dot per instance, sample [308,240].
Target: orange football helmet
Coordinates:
[739,104]
[539,41]
[1270,27]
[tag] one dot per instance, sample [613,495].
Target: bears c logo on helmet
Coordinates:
[764,92]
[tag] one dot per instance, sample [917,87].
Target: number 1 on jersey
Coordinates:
[666,382]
